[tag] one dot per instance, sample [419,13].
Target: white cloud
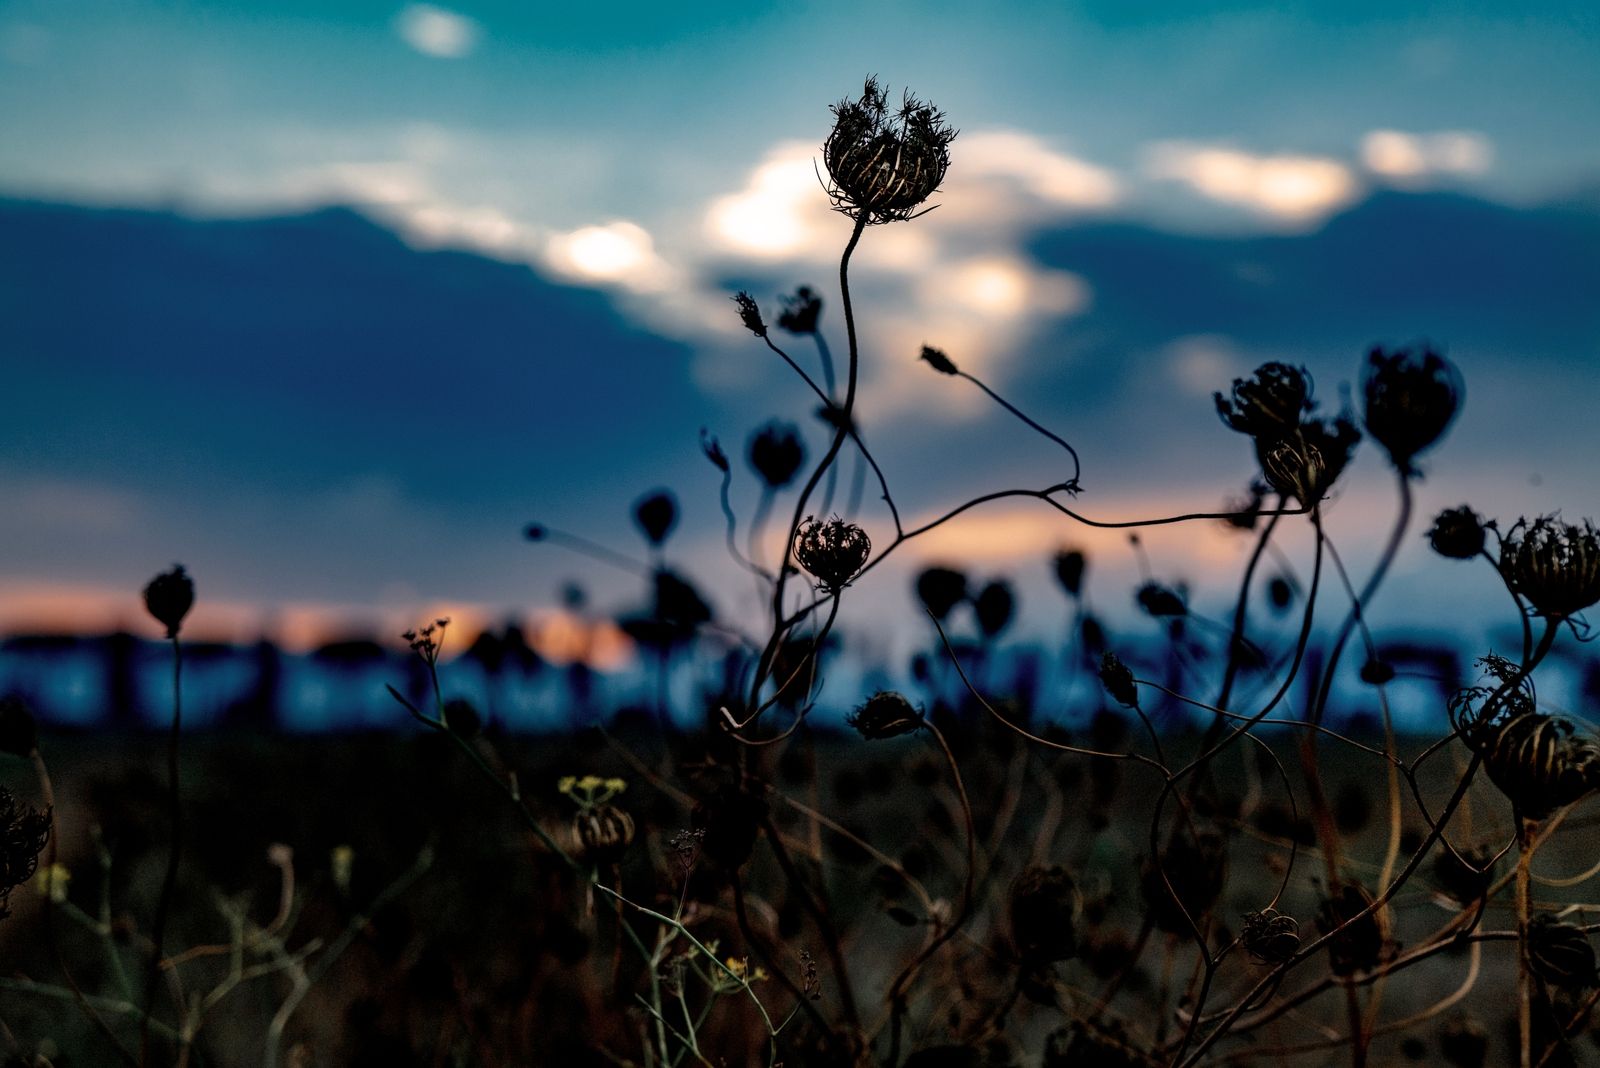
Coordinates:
[1291,189]
[619,252]
[433,31]
[1402,156]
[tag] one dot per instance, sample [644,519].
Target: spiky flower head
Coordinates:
[1118,680]
[750,313]
[884,163]
[1270,403]
[1306,463]
[776,453]
[168,597]
[832,550]
[1555,565]
[886,714]
[1457,533]
[1412,396]
[23,833]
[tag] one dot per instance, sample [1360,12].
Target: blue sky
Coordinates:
[347,416]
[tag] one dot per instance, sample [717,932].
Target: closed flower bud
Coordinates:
[1270,937]
[1411,398]
[776,453]
[656,514]
[883,165]
[801,311]
[885,714]
[604,833]
[1157,600]
[994,606]
[713,450]
[1044,909]
[1554,565]
[940,589]
[1269,403]
[750,313]
[832,551]
[939,361]
[168,597]
[19,734]
[1560,953]
[1070,565]
[1457,533]
[1364,944]
[1305,464]
[1118,681]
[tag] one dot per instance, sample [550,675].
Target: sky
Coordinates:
[328,300]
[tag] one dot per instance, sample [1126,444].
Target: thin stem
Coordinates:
[170,879]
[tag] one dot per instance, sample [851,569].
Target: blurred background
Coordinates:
[328,301]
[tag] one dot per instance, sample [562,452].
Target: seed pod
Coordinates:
[1538,762]
[656,513]
[1457,533]
[1118,680]
[1270,403]
[1070,564]
[1306,464]
[885,714]
[776,453]
[1044,909]
[1554,565]
[801,311]
[883,166]
[604,833]
[24,830]
[168,597]
[1560,953]
[750,313]
[940,589]
[994,606]
[1270,937]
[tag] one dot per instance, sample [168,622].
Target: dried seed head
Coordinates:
[1412,396]
[994,606]
[801,312]
[656,513]
[1554,565]
[1044,908]
[776,453]
[832,551]
[1457,533]
[1306,463]
[940,589]
[168,597]
[936,359]
[1270,403]
[1118,681]
[1538,762]
[750,313]
[1270,937]
[604,833]
[1070,565]
[1560,953]
[1158,600]
[884,164]
[1365,943]
[886,714]
[24,830]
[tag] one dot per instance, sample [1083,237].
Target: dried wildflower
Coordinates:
[939,361]
[1464,1043]
[1193,864]
[1118,680]
[1270,937]
[750,314]
[428,642]
[1269,404]
[168,597]
[1365,943]
[713,450]
[1306,463]
[1465,876]
[1457,533]
[884,165]
[801,311]
[1044,908]
[603,832]
[24,830]
[1538,762]
[1411,397]
[1158,600]
[776,453]
[885,714]
[685,846]
[994,606]
[1560,953]
[833,551]
[19,734]
[1475,710]
[810,980]
[1070,565]
[1554,565]
[656,513]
